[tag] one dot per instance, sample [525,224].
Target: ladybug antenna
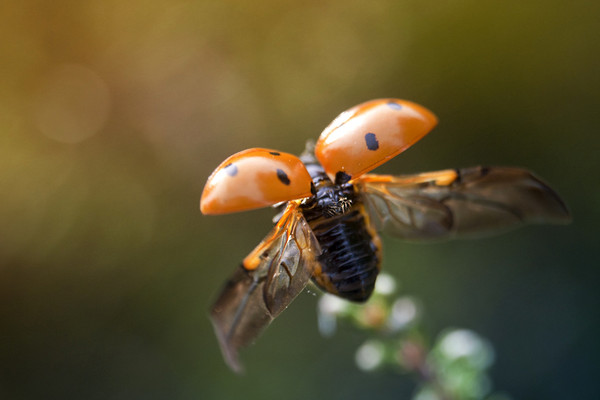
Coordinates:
[308,155]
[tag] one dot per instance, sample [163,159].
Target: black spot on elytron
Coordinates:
[394,105]
[372,143]
[283,177]
[231,169]
[341,177]
[274,153]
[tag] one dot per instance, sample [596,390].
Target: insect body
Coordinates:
[333,210]
[350,249]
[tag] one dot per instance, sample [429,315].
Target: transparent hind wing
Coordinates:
[456,203]
[268,280]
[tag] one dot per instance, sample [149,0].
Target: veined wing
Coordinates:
[459,202]
[270,277]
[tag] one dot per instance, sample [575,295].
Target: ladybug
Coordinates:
[332,208]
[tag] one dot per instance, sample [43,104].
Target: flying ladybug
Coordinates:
[331,210]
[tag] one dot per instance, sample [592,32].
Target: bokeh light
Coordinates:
[72,104]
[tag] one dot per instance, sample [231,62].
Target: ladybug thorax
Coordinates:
[329,199]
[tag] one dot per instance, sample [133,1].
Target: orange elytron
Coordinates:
[331,211]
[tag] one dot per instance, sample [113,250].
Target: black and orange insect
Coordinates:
[332,211]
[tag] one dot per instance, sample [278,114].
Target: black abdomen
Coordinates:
[350,255]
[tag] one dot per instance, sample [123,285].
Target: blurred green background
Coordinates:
[113,114]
